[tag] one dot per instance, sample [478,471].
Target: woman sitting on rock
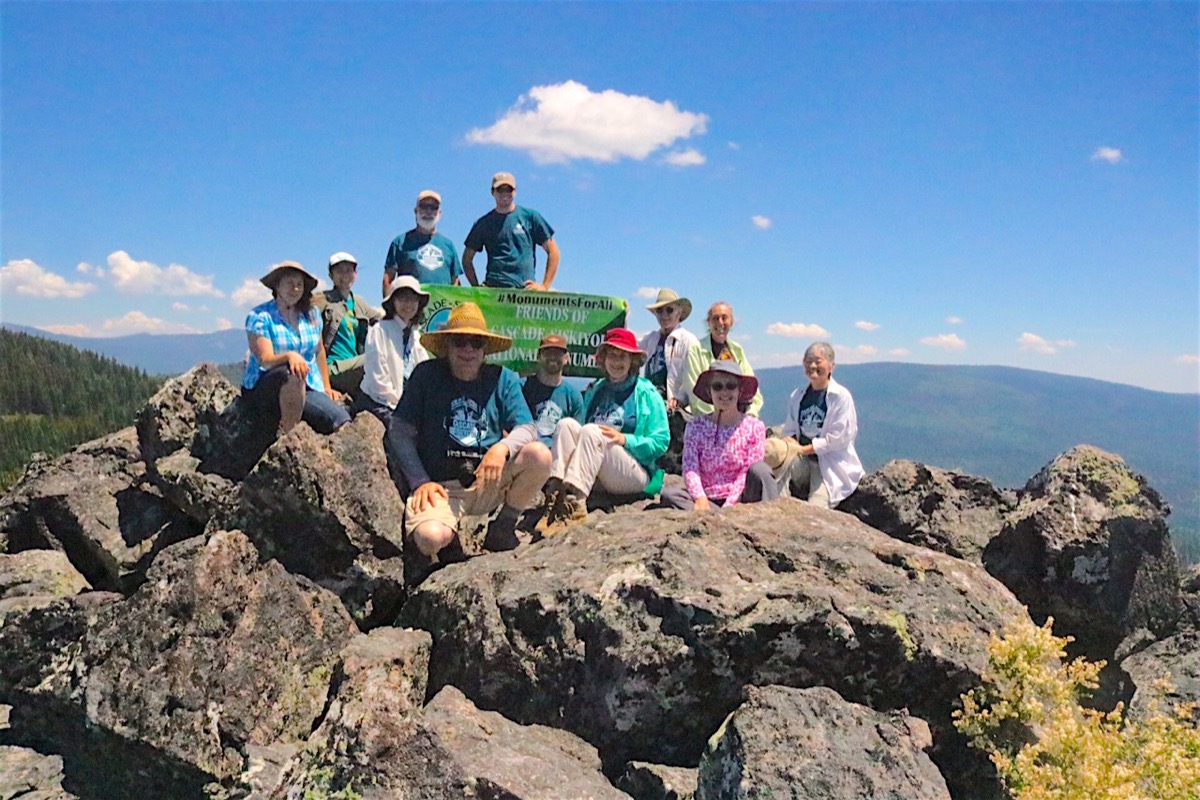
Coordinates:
[286,376]
[625,433]
[393,348]
[720,448]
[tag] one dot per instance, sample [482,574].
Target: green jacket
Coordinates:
[699,357]
[652,434]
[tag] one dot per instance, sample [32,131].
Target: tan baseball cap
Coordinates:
[502,178]
[429,194]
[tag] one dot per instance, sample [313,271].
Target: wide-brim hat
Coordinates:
[465,319]
[276,272]
[777,451]
[620,339]
[410,283]
[748,383]
[668,296]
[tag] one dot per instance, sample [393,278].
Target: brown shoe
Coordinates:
[571,508]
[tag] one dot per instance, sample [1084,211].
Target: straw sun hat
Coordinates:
[668,296]
[466,319]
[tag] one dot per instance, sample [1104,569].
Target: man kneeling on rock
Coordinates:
[447,440]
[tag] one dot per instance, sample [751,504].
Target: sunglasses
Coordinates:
[721,386]
[467,340]
[665,310]
[428,206]
[503,190]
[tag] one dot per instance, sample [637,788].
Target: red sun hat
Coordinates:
[620,339]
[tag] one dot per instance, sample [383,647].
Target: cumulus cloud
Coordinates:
[1032,343]
[143,277]
[25,277]
[866,350]
[1109,155]
[647,292]
[178,306]
[946,341]
[954,320]
[1188,358]
[68,330]
[899,352]
[138,322]
[89,269]
[690,157]
[733,145]
[250,294]
[797,330]
[566,121]
[223,324]
[761,222]
[863,325]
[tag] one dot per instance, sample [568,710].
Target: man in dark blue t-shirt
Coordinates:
[447,440]
[550,398]
[511,235]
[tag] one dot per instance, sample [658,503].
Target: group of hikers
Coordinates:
[469,437]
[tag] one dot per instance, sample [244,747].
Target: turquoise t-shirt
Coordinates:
[428,258]
[345,341]
[550,404]
[511,241]
[615,405]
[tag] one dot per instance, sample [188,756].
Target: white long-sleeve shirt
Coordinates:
[385,365]
[675,352]
[841,469]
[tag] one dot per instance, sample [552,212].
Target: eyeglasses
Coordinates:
[467,340]
[721,386]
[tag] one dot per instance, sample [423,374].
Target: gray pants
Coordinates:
[760,485]
[800,477]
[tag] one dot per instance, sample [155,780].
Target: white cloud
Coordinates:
[25,277]
[89,269]
[954,320]
[68,330]
[690,157]
[178,306]
[866,350]
[761,222]
[1188,358]
[647,292]
[1110,155]
[863,325]
[250,294]
[143,277]
[1032,343]
[733,145]
[138,322]
[899,352]
[797,330]
[946,341]
[561,122]
[223,324]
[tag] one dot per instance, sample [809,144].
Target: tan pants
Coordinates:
[468,502]
[583,458]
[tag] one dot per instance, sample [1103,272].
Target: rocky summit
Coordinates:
[192,609]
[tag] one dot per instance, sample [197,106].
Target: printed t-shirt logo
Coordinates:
[518,228]
[430,256]
[466,424]
[811,420]
[548,415]
[610,413]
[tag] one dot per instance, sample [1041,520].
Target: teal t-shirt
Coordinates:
[550,404]
[430,258]
[345,341]
[511,241]
[615,405]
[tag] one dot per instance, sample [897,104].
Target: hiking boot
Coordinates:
[501,535]
[452,553]
[571,508]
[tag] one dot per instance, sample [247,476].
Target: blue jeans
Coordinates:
[322,413]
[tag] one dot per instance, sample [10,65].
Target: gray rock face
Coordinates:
[185,414]
[945,511]
[638,631]
[810,743]
[325,507]
[28,775]
[1175,660]
[96,505]
[1088,545]
[645,781]
[39,572]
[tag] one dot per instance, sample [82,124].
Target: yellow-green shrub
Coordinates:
[1027,717]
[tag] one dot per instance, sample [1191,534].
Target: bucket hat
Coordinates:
[413,285]
[465,319]
[749,383]
[668,296]
[276,272]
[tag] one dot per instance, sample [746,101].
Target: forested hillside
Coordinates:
[54,397]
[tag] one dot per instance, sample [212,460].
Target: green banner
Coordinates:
[527,316]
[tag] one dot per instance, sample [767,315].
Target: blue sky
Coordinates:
[1001,183]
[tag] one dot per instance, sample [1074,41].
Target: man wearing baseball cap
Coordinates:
[550,398]
[345,318]
[511,235]
[423,252]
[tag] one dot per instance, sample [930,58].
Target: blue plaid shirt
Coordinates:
[265,321]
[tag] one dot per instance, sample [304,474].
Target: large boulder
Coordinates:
[215,653]
[97,505]
[326,508]
[26,774]
[1166,672]
[947,511]
[1088,545]
[39,572]
[638,631]
[811,743]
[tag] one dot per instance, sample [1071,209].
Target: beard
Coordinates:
[428,223]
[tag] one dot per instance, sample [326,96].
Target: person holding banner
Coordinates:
[511,235]
[550,398]
[447,441]
[423,252]
[625,433]
[393,348]
[717,346]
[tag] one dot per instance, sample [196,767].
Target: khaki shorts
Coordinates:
[462,502]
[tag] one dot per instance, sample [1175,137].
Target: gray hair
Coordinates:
[822,349]
[714,306]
